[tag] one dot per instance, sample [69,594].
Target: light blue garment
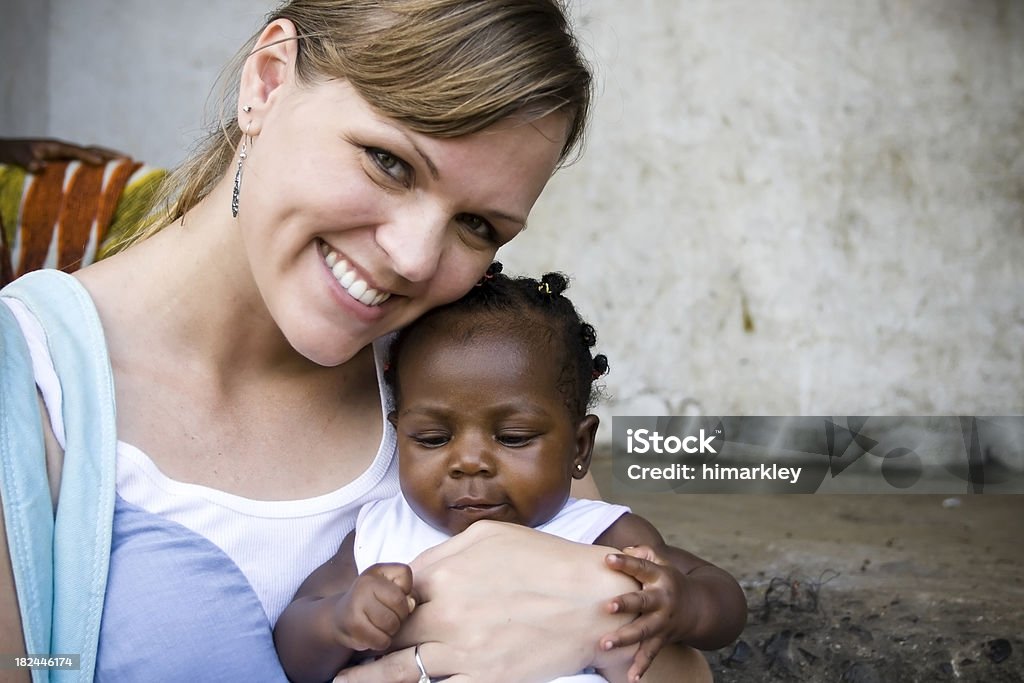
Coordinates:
[179,609]
[60,561]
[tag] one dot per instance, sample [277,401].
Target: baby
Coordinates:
[491,398]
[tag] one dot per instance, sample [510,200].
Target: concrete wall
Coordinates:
[24,66]
[133,76]
[786,207]
[800,207]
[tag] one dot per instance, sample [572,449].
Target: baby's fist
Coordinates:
[375,607]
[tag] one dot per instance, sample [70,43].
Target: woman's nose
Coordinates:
[414,240]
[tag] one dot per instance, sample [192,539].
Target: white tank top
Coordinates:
[275,544]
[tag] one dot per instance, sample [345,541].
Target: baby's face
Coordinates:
[483,432]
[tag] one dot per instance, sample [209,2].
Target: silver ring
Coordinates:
[424,676]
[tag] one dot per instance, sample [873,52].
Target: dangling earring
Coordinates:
[238,172]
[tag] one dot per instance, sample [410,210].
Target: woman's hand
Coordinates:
[504,602]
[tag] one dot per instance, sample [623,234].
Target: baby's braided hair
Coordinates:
[499,301]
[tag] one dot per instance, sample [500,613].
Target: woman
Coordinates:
[404,142]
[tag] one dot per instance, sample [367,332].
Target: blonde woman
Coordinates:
[376,155]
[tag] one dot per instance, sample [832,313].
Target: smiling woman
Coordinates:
[372,158]
[408,216]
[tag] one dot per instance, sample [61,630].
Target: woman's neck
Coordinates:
[209,387]
[187,292]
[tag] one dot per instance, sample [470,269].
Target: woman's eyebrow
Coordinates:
[436,175]
[430,164]
[423,155]
[506,217]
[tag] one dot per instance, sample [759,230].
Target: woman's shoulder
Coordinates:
[56,299]
[56,317]
[44,317]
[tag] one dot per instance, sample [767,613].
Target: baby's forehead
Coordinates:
[440,345]
[455,327]
[528,353]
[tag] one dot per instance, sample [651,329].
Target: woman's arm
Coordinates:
[11,639]
[495,598]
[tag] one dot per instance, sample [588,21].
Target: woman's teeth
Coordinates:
[349,280]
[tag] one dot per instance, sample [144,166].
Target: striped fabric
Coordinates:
[69,214]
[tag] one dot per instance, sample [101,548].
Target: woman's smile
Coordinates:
[348,277]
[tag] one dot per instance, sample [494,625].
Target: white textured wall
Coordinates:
[800,207]
[786,206]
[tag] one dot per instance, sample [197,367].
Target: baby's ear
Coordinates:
[586,434]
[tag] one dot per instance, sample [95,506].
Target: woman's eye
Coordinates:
[477,226]
[390,164]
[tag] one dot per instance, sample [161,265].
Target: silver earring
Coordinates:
[579,467]
[238,172]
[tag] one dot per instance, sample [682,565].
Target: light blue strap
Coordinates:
[81,548]
[28,510]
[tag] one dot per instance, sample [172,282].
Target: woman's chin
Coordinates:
[329,355]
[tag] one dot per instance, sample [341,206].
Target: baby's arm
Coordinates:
[337,612]
[683,599]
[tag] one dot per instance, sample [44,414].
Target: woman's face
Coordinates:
[354,225]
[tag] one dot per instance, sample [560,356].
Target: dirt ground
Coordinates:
[859,588]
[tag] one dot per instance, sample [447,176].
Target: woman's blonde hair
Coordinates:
[441,67]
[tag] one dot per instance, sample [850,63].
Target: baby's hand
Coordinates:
[655,605]
[375,607]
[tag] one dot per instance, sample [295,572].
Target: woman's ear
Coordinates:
[586,434]
[270,65]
